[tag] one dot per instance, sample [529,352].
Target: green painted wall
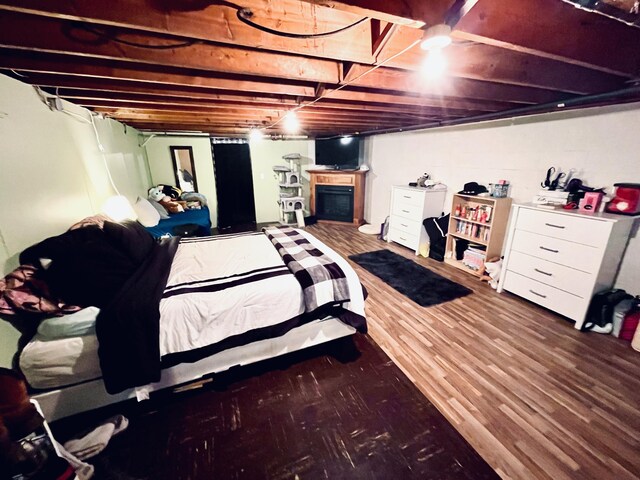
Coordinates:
[52,174]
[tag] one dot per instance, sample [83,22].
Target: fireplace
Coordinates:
[334,203]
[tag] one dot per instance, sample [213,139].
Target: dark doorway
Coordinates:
[234,186]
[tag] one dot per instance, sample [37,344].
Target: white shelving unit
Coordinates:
[290,198]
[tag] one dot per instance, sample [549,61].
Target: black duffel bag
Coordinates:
[437,228]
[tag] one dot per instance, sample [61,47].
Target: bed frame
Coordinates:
[66,401]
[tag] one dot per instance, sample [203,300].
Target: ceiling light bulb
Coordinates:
[291,122]
[255,135]
[436,37]
[435,65]
[346,140]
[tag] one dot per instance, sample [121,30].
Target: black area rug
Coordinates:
[341,410]
[420,284]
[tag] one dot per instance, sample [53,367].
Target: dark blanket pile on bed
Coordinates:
[123,271]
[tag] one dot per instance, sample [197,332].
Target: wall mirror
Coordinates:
[184,168]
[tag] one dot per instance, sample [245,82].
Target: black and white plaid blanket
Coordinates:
[323,282]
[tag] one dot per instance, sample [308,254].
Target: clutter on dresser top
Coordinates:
[560,190]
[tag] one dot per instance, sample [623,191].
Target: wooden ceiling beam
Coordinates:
[380,79]
[111,85]
[556,30]
[133,101]
[235,123]
[108,69]
[412,13]
[404,81]
[61,36]
[399,98]
[219,23]
[477,61]
[312,114]
[132,106]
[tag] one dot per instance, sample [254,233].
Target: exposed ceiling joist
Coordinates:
[412,13]
[55,35]
[173,64]
[557,30]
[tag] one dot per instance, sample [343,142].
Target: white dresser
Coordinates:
[560,258]
[409,207]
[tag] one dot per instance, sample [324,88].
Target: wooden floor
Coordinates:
[536,398]
[340,410]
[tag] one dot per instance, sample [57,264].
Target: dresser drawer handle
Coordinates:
[543,272]
[554,226]
[406,196]
[405,211]
[548,249]
[404,225]
[538,294]
[402,238]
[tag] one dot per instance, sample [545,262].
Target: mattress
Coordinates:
[61,362]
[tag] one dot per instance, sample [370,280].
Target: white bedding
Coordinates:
[269,294]
[255,290]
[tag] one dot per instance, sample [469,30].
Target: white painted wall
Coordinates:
[52,174]
[161,165]
[602,143]
[264,155]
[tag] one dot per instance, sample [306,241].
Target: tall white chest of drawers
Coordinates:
[409,207]
[560,258]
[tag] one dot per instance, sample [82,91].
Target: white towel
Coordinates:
[96,440]
[83,470]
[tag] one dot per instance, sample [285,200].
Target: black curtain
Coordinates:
[234,185]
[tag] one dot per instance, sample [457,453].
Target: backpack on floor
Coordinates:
[601,308]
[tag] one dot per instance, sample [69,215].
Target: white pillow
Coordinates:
[147,215]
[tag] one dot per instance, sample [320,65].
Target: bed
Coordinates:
[193,307]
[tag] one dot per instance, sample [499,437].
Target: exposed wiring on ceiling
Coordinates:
[45,99]
[18,73]
[346,84]
[245,14]
[104,157]
[593,7]
[114,37]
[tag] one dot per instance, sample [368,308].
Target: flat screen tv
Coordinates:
[339,153]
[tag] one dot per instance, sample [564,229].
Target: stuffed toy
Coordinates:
[172,206]
[491,271]
[170,191]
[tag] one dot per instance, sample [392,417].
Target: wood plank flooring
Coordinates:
[535,397]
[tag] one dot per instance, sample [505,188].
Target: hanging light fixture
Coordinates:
[346,140]
[291,122]
[436,37]
[435,65]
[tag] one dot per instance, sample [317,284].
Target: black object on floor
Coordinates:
[420,284]
[186,230]
[338,410]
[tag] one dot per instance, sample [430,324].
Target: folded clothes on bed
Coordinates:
[76,324]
